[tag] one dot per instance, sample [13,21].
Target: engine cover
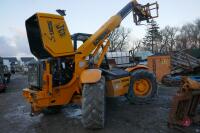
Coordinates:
[48,36]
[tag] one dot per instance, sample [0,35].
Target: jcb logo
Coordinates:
[51,31]
[61,29]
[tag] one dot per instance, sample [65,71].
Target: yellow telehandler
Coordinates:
[66,74]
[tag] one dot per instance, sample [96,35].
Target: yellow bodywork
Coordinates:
[49,96]
[55,34]
[132,69]
[90,76]
[56,42]
[117,87]
[142,87]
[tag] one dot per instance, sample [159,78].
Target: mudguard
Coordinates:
[90,76]
[132,69]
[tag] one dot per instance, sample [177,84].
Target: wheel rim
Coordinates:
[142,87]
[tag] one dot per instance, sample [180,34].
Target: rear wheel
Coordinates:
[143,87]
[93,105]
[3,90]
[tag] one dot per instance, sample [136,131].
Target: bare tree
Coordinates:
[197,24]
[188,37]
[173,38]
[119,39]
[168,39]
[135,46]
[181,41]
[165,40]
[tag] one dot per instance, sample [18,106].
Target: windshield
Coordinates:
[35,74]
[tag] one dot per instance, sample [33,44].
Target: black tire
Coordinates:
[52,110]
[93,105]
[3,90]
[8,81]
[142,74]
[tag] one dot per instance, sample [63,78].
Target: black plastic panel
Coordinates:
[34,38]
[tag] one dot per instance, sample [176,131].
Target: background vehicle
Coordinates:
[2,80]
[7,74]
[6,62]
[12,68]
[67,74]
[2,84]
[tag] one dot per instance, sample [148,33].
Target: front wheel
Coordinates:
[143,87]
[93,105]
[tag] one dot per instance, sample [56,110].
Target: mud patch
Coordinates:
[72,112]
[121,117]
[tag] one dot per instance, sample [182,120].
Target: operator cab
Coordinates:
[109,73]
[62,70]
[79,37]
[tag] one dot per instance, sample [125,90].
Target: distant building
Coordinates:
[7,63]
[12,60]
[26,60]
[143,54]
[120,57]
[1,66]
[124,57]
[1,60]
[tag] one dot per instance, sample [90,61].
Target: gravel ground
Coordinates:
[122,117]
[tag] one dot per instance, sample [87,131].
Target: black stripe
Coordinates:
[126,10]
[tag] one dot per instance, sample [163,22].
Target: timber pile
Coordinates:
[168,80]
[182,62]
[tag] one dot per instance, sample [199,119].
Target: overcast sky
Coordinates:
[82,16]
